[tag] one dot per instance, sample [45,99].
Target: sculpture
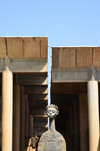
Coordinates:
[32,145]
[52,140]
[51,111]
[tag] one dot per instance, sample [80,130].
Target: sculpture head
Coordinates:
[51,111]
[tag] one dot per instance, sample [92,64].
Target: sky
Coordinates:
[64,22]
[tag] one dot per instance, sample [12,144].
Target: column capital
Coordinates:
[7,66]
[92,73]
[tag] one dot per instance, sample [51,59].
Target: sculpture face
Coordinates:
[51,112]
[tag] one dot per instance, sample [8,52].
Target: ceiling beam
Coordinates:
[35,97]
[37,89]
[38,65]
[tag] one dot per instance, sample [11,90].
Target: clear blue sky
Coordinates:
[65,22]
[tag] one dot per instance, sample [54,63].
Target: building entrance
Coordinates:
[72,121]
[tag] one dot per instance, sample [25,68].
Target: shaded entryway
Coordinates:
[72,121]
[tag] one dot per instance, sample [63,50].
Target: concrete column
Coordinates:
[26,120]
[93,115]
[71,121]
[30,131]
[76,125]
[26,117]
[30,126]
[22,120]
[0,113]
[68,128]
[7,110]
[16,118]
[83,118]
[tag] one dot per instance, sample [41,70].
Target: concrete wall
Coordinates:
[27,47]
[75,57]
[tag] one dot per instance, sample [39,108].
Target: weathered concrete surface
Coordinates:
[83,118]
[93,115]
[7,110]
[34,47]
[30,126]
[33,79]
[2,47]
[26,117]
[22,120]
[16,118]
[24,65]
[15,47]
[76,125]
[75,57]
[71,64]
[76,74]
[70,75]
[92,73]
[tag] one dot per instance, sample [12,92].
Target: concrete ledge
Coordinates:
[70,75]
[75,75]
[24,65]
[18,67]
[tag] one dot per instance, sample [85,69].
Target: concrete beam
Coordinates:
[37,97]
[64,97]
[40,116]
[28,67]
[37,112]
[75,74]
[38,104]
[70,75]
[69,88]
[24,65]
[33,79]
[37,89]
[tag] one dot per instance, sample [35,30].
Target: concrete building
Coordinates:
[24,93]
[23,90]
[75,90]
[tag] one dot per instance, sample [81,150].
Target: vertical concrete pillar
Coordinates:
[30,132]
[26,116]
[22,120]
[30,126]
[93,115]
[7,110]
[26,121]
[16,118]
[76,125]
[83,118]
[71,121]
[0,114]
[68,128]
